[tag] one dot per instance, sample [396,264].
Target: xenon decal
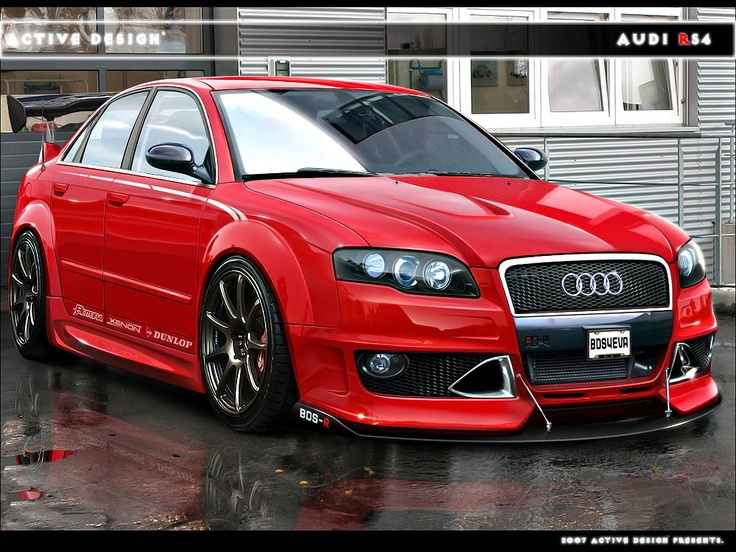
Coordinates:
[124,325]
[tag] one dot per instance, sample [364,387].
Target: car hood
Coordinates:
[482,220]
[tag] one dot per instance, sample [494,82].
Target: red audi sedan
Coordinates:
[357,257]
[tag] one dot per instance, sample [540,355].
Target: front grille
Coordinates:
[427,375]
[538,287]
[574,366]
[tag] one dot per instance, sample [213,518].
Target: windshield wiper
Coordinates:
[455,173]
[306,172]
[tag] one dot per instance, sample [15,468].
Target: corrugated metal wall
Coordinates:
[320,47]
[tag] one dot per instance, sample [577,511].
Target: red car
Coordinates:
[360,257]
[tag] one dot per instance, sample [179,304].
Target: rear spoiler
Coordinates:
[50,106]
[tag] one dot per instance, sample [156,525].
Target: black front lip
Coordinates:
[650,418]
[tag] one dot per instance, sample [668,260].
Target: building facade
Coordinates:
[654,133]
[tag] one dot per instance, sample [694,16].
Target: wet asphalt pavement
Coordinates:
[89,447]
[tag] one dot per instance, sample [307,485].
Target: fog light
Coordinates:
[383,365]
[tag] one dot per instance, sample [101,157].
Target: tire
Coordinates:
[27,298]
[244,357]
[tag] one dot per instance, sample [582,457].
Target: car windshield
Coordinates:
[308,132]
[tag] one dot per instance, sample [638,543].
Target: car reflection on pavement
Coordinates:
[93,471]
[85,449]
[84,469]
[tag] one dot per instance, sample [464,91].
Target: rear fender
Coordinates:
[36,217]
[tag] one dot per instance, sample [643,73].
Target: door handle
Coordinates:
[59,188]
[117,198]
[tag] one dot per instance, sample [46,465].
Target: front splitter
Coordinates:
[534,432]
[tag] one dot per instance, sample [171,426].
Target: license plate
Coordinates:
[609,343]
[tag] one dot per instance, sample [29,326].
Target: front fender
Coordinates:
[295,269]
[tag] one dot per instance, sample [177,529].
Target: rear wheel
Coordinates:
[244,356]
[27,298]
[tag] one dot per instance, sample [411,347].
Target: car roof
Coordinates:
[260,82]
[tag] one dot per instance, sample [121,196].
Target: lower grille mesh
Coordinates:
[573,366]
[427,375]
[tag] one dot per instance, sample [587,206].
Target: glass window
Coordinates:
[308,132]
[149,30]
[428,70]
[645,85]
[498,90]
[48,30]
[174,118]
[124,30]
[647,91]
[108,137]
[499,85]
[574,85]
[575,91]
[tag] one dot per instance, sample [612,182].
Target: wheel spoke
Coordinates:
[16,279]
[216,321]
[23,263]
[231,309]
[227,374]
[241,298]
[256,366]
[258,345]
[245,390]
[216,354]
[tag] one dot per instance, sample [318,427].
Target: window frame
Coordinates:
[610,70]
[675,74]
[499,120]
[605,116]
[450,64]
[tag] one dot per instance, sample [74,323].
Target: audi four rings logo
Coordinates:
[587,284]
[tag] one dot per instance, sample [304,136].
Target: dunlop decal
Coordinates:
[168,339]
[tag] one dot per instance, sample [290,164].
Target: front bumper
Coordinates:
[435,333]
[575,424]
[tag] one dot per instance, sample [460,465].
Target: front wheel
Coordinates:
[243,352]
[27,298]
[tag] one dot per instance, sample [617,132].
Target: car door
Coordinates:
[151,253]
[78,203]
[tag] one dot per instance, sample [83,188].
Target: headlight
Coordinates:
[691,264]
[409,271]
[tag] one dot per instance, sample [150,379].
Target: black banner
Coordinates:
[675,39]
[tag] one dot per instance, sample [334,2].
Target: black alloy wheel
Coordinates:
[244,356]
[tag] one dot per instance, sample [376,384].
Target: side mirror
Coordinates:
[534,158]
[176,158]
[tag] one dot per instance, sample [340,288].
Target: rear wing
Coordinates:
[51,106]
